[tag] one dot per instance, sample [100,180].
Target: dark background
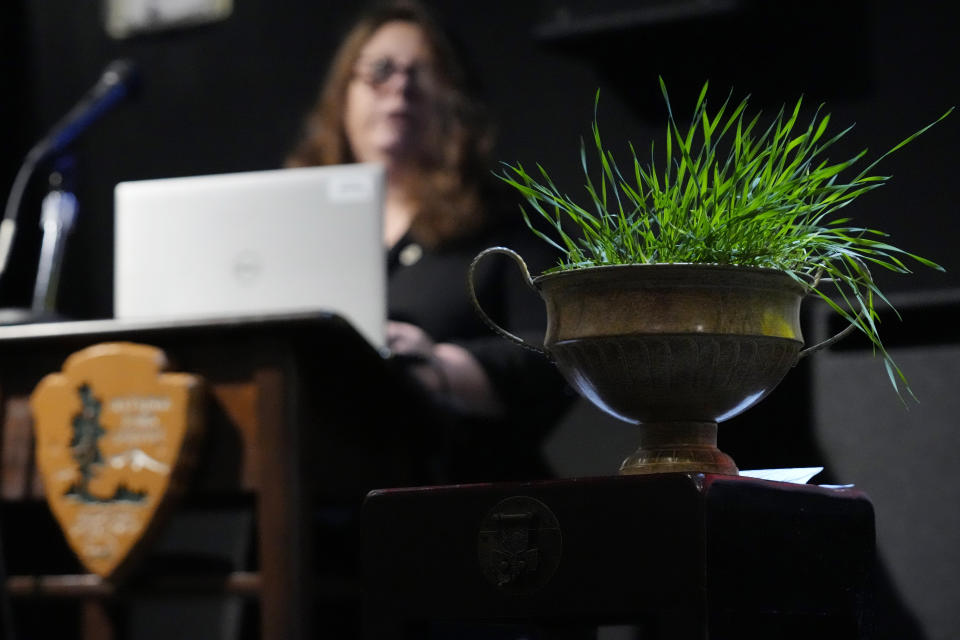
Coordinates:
[231,97]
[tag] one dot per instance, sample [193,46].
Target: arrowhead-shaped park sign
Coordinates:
[115,438]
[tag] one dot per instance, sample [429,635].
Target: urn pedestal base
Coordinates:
[679,556]
[667,447]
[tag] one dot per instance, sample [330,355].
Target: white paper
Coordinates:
[799,475]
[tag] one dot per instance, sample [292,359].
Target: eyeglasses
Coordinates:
[379,72]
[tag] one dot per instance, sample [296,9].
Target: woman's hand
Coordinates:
[446,369]
[409,340]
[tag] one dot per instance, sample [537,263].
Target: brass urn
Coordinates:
[672,348]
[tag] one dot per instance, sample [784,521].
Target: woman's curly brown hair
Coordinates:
[446,186]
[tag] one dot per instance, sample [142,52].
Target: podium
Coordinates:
[289,424]
[678,556]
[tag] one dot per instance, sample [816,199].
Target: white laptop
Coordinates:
[253,243]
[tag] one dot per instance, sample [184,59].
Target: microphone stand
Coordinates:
[116,83]
[57,215]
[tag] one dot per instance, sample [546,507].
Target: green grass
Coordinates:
[729,191]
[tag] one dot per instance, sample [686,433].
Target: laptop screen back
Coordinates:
[253,243]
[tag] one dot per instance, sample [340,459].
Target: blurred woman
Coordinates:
[395,95]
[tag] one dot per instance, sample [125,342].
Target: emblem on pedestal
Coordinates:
[115,437]
[520,545]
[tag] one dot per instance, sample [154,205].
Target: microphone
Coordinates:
[118,81]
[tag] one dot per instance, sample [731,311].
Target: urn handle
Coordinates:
[843,332]
[483,314]
[829,341]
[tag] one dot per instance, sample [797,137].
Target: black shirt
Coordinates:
[428,288]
